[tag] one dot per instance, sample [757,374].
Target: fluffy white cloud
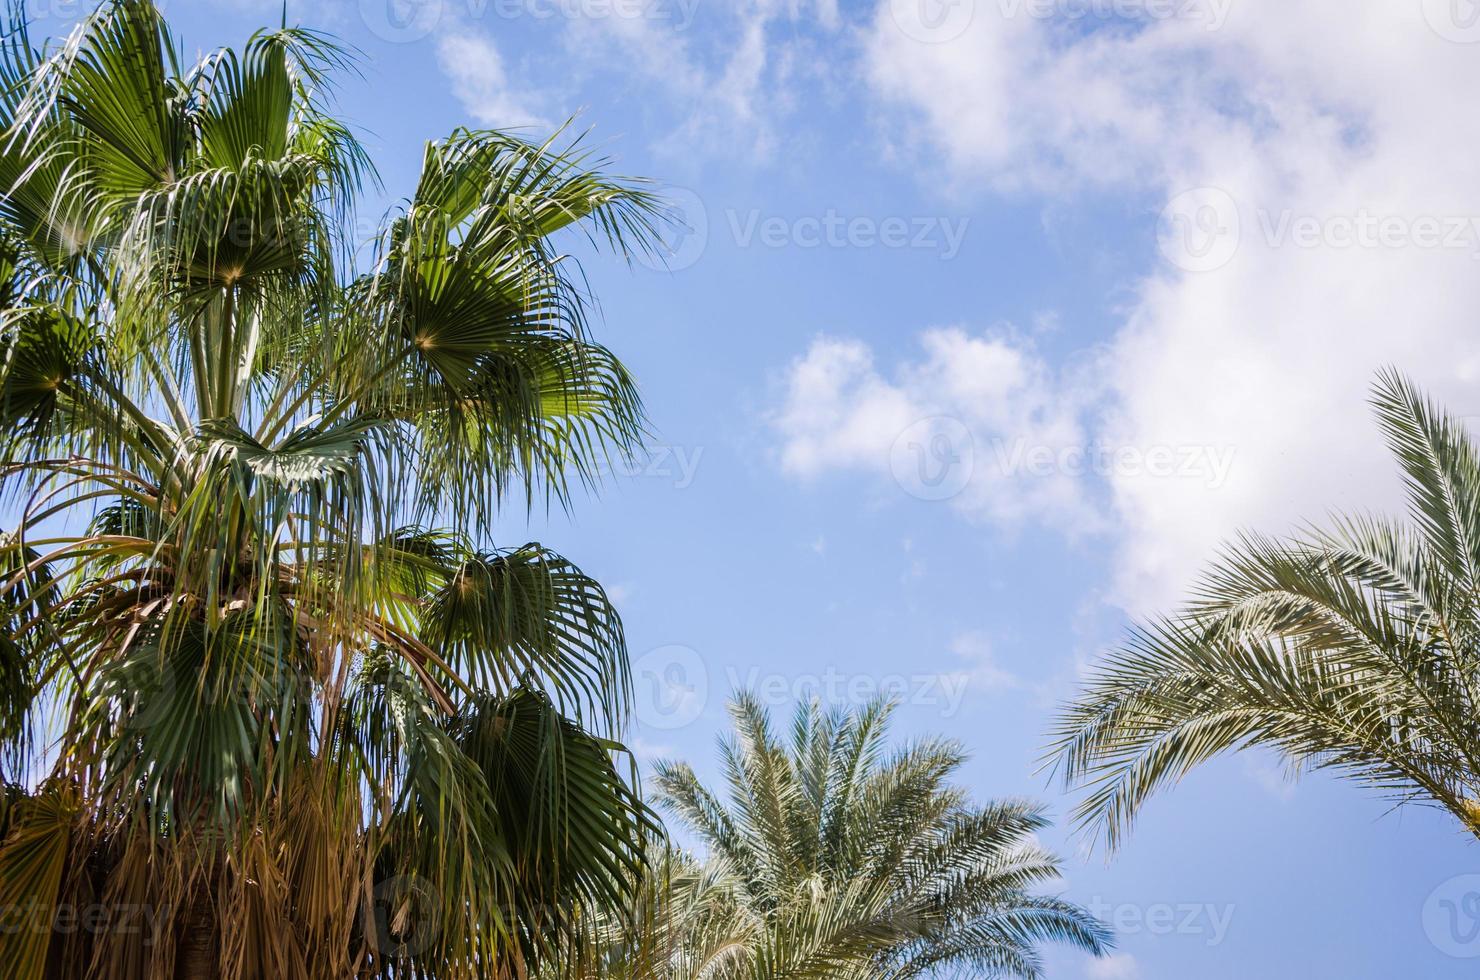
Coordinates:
[1032,102]
[1319,224]
[472,62]
[980,420]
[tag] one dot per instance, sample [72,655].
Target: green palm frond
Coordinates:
[506,617]
[323,732]
[501,382]
[1350,648]
[855,861]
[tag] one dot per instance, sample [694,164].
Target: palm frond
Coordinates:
[323,732]
[859,862]
[1349,648]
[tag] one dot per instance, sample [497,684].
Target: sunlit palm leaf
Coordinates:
[1351,648]
[856,863]
[279,687]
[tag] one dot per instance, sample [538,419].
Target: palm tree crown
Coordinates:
[848,860]
[293,700]
[1354,648]
[687,922]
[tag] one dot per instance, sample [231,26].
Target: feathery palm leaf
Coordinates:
[1352,648]
[850,860]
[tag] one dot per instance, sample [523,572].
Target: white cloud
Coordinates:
[1028,103]
[981,672]
[726,83]
[1269,351]
[721,76]
[481,84]
[1117,966]
[955,423]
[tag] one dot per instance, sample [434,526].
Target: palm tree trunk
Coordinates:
[197,952]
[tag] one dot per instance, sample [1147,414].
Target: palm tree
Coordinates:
[1354,648]
[852,863]
[269,697]
[688,922]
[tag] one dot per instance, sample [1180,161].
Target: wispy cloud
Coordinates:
[981,672]
[726,74]
[473,64]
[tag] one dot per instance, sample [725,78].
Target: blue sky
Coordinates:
[991,319]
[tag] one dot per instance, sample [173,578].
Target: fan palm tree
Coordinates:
[1354,648]
[270,699]
[849,861]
